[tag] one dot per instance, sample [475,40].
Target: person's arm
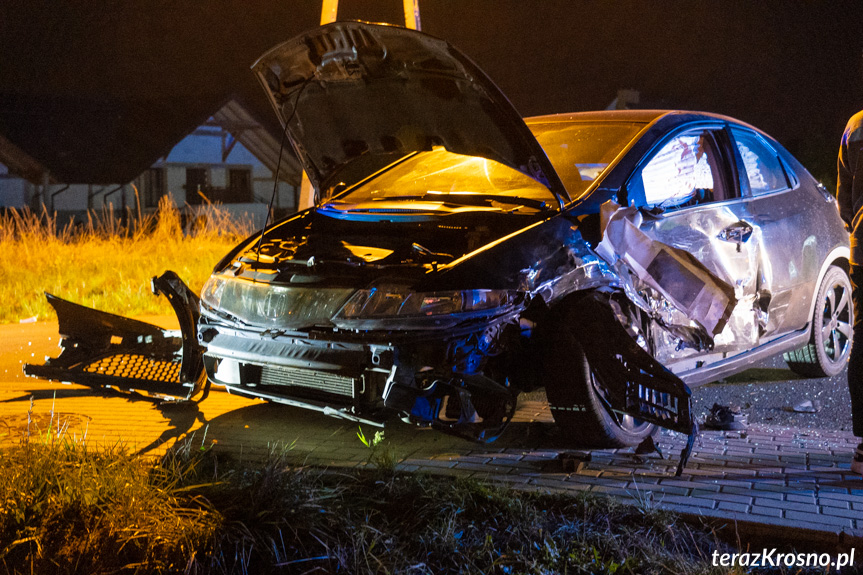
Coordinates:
[844,180]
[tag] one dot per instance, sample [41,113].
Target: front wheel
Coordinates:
[578,401]
[832,329]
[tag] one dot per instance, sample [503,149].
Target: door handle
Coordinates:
[737,232]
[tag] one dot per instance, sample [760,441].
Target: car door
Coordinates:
[688,189]
[789,259]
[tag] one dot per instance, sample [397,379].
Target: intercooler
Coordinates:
[308,379]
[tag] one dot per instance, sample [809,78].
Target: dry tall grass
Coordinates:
[105,262]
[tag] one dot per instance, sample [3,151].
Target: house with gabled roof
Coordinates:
[230,159]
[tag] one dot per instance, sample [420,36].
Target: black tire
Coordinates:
[827,353]
[575,396]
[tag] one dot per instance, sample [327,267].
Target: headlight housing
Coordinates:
[273,306]
[397,307]
[379,308]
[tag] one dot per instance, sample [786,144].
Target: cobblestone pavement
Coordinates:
[768,477]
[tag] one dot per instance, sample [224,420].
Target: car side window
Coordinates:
[684,172]
[761,162]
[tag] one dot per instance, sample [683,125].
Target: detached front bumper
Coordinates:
[103,350]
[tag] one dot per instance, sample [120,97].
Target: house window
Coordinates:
[239,185]
[152,187]
[196,184]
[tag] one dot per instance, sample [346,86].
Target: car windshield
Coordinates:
[581,151]
[442,176]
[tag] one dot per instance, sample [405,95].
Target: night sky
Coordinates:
[159,68]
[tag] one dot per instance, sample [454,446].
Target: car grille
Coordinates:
[317,380]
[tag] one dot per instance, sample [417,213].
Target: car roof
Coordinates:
[600,115]
[645,116]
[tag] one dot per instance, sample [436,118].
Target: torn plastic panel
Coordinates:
[103,350]
[633,381]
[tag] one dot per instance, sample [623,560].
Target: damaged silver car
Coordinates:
[459,255]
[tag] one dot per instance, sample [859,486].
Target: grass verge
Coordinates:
[69,509]
[104,262]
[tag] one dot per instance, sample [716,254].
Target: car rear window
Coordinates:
[580,152]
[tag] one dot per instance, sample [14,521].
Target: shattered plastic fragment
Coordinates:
[807,406]
[725,418]
[103,350]
[647,447]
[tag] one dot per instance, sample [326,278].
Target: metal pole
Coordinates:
[329,11]
[412,14]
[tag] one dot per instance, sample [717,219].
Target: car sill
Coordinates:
[699,376]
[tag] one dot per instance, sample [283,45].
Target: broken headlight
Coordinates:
[273,306]
[405,309]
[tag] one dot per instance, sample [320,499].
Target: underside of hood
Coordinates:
[351,89]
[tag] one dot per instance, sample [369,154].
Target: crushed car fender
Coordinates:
[674,273]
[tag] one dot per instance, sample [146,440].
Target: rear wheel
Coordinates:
[832,329]
[578,400]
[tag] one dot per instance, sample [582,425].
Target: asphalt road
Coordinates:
[768,392]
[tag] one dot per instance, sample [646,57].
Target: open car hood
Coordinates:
[353,89]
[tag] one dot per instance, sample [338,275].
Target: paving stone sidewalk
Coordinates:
[769,477]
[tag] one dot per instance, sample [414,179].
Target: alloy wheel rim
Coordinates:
[836,326]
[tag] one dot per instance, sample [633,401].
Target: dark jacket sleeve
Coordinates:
[849,181]
[844,182]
